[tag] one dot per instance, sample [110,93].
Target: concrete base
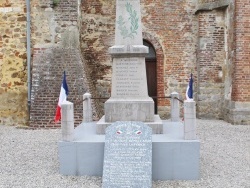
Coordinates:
[141,109]
[156,125]
[173,157]
[237,113]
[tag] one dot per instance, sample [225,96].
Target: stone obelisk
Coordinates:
[129,99]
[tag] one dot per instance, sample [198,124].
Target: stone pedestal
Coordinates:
[67,121]
[129,94]
[87,108]
[237,113]
[173,158]
[122,166]
[156,125]
[189,120]
[175,107]
[129,110]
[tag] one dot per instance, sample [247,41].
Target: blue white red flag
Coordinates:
[189,91]
[63,97]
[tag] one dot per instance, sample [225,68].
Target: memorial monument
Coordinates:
[138,145]
[129,99]
[127,155]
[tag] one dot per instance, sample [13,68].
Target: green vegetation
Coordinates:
[133,23]
[55,2]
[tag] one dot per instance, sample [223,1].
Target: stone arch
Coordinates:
[159,68]
[151,72]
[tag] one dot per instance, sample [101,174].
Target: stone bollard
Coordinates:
[189,120]
[67,121]
[175,107]
[87,108]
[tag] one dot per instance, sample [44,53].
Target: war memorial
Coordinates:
[130,145]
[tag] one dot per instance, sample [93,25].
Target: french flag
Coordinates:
[63,97]
[189,91]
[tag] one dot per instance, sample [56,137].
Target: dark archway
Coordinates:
[151,70]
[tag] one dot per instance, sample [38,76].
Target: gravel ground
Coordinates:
[29,158]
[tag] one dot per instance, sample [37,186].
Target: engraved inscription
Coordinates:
[128,155]
[128,77]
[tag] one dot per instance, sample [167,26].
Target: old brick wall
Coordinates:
[169,25]
[50,21]
[229,53]
[46,83]
[211,59]
[174,25]
[13,76]
[208,37]
[56,48]
[238,109]
[241,82]
[215,57]
[97,34]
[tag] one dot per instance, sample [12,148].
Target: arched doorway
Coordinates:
[151,72]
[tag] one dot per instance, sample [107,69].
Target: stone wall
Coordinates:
[211,59]
[189,36]
[237,110]
[212,4]
[232,93]
[56,48]
[46,84]
[206,37]
[173,24]
[241,82]
[171,28]
[215,57]
[13,70]
[49,23]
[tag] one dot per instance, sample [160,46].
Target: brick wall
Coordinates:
[232,94]
[241,81]
[97,34]
[208,37]
[50,21]
[168,25]
[211,59]
[237,109]
[46,83]
[56,48]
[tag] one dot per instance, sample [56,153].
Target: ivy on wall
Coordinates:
[55,2]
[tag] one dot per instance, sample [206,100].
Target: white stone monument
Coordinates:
[189,120]
[91,154]
[129,95]
[127,155]
[67,121]
[87,108]
[175,107]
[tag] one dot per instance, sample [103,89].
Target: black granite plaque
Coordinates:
[128,156]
